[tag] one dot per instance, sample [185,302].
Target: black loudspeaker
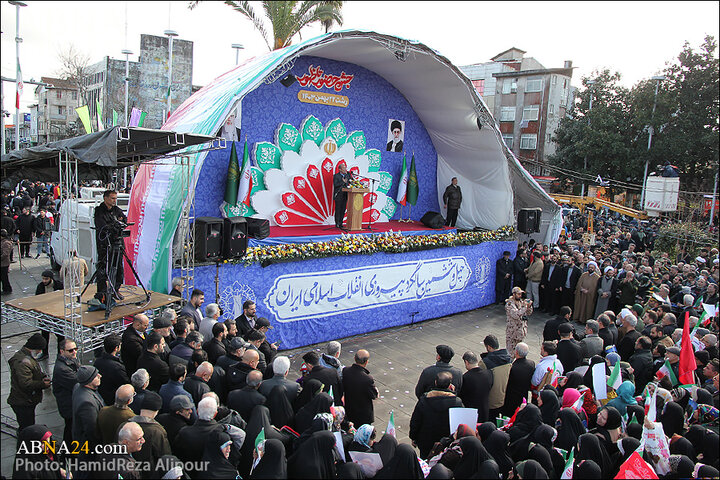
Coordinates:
[529,220]
[234,237]
[433,220]
[208,239]
[257,228]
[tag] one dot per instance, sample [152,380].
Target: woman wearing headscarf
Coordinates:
[711,449]
[637,412]
[38,433]
[705,471]
[447,450]
[321,403]
[259,421]
[590,448]
[217,452]
[439,472]
[549,404]
[626,396]
[526,420]
[310,388]
[609,422]
[569,400]
[473,455]
[272,464]
[569,428]
[588,470]
[281,411]
[364,441]
[404,464]
[485,429]
[315,458]
[705,415]
[681,466]
[673,419]
[529,469]
[350,471]
[573,380]
[541,455]
[497,445]
[626,447]
[682,446]
[322,421]
[489,470]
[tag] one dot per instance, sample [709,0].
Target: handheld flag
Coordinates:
[330,392]
[260,438]
[615,379]
[412,187]
[568,470]
[687,356]
[402,186]
[391,425]
[636,467]
[650,406]
[20,87]
[233,175]
[577,406]
[666,370]
[246,183]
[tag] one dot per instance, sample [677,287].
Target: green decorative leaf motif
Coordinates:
[357,140]
[385,182]
[389,208]
[312,129]
[240,210]
[267,155]
[336,130]
[258,180]
[288,138]
[374,159]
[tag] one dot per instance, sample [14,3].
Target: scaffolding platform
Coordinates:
[47,312]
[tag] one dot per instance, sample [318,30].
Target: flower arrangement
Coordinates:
[389,242]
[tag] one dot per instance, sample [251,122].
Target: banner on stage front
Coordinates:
[322,98]
[319,294]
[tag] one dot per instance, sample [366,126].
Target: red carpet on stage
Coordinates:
[321,230]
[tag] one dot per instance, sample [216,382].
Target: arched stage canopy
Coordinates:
[494,183]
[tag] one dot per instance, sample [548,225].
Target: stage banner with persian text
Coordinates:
[318,300]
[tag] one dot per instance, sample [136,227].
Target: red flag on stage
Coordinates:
[687,364]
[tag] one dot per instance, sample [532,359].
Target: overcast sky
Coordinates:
[635,38]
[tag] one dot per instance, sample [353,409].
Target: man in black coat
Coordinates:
[550,284]
[108,219]
[268,350]
[150,360]
[626,346]
[550,332]
[111,368]
[519,380]
[281,368]
[246,398]
[327,376]
[235,349]
[360,390]
[503,277]
[520,264]
[570,276]
[246,322]
[197,383]
[133,339]
[340,180]
[86,404]
[25,231]
[452,198]
[426,382]
[430,418]
[476,386]
[181,408]
[642,363]
[215,347]
[569,351]
[64,380]
[191,440]
[48,284]
[236,375]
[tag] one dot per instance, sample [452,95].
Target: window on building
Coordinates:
[74,95]
[534,85]
[554,79]
[528,141]
[507,114]
[531,112]
[508,139]
[552,109]
[61,110]
[509,86]
[549,138]
[565,83]
[479,86]
[59,94]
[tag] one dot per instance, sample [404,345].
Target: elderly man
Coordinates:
[586,293]
[606,285]
[191,440]
[197,383]
[212,313]
[140,381]
[519,380]
[331,359]
[118,462]
[246,398]
[592,344]
[180,411]
[111,417]
[281,368]
[86,403]
[476,386]
[626,346]
[360,390]
[156,441]
[236,376]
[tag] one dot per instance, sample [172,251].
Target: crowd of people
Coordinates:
[628,363]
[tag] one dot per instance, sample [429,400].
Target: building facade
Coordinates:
[54,114]
[527,100]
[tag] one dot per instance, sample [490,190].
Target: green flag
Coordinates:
[233,177]
[260,437]
[412,187]
[569,467]
[391,425]
[115,117]
[615,378]
[142,118]
[98,107]
[330,392]
[84,114]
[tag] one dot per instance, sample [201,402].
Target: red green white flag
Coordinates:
[402,186]
[568,470]
[667,371]
[246,183]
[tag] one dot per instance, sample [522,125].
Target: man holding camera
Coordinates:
[518,310]
[109,223]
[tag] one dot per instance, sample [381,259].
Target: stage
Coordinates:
[323,233]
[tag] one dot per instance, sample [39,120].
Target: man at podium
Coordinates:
[340,180]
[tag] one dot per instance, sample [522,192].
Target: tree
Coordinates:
[280,21]
[74,68]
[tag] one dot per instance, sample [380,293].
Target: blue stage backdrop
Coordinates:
[318,300]
[372,102]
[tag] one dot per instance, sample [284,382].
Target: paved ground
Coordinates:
[398,355]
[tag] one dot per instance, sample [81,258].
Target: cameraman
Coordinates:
[109,222]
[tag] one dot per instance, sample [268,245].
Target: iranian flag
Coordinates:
[402,186]
[19,87]
[260,438]
[391,425]
[568,470]
[667,371]
[650,408]
[615,378]
[578,405]
[246,185]
[636,467]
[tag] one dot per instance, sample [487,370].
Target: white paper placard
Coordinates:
[599,381]
[369,463]
[458,416]
[339,445]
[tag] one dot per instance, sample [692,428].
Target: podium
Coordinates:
[354,207]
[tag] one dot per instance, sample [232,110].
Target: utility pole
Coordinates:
[18,79]
[590,83]
[170,34]
[651,130]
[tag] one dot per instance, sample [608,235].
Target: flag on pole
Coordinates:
[142,118]
[412,184]
[698,302]
[115,117]
[98,107]
[330,392]
[636,467]
[650,405]
[20,86]
[577,406]
[666,370]
[687,356]
[568,470]
[134,117]
[233,176]
[615,377]
[260,438]
[246,183]
[391,425]
[402,186]
[84,114]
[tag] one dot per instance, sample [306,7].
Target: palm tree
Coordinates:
[287,18]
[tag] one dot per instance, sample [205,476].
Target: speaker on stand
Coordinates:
[235,235]
[258,228]
[528,220]
[208,239]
